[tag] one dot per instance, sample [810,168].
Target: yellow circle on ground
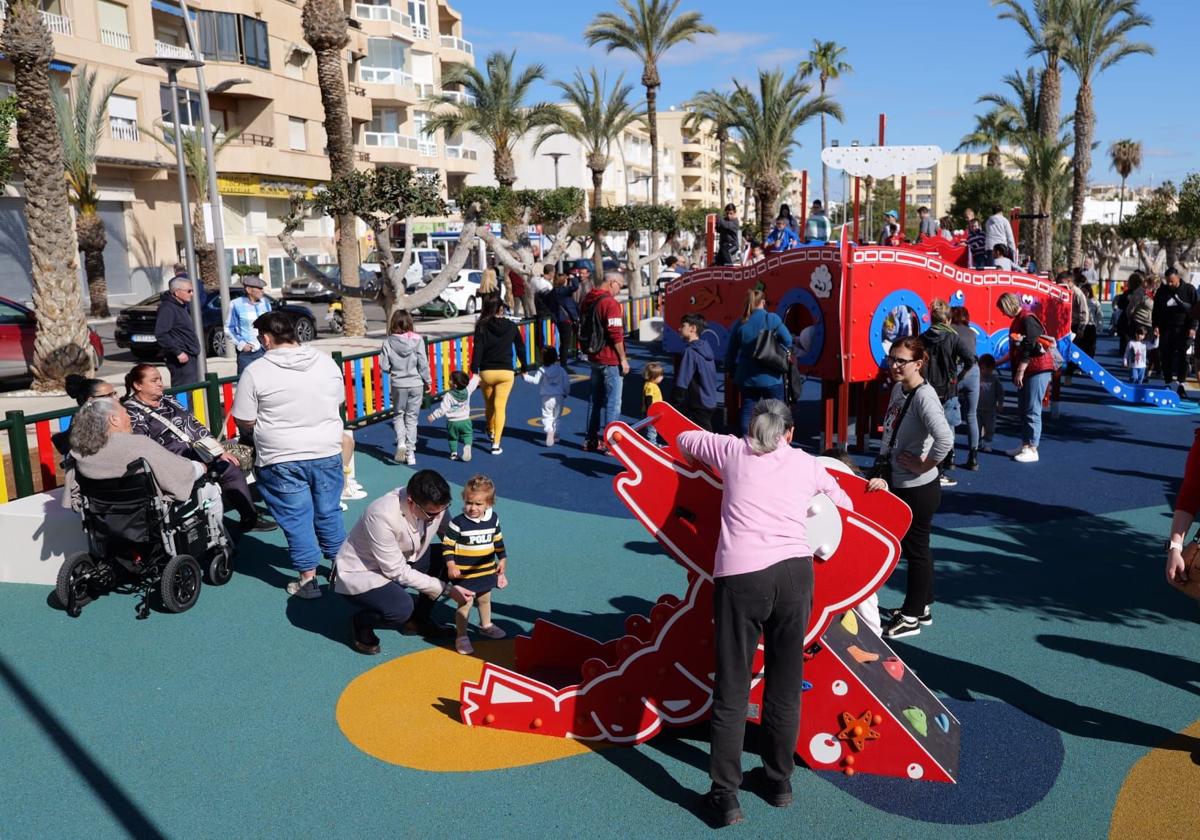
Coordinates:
[406,712]
[536,422]
[1158,796]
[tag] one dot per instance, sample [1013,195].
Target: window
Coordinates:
[114,25]
[296,134]
[385,121]
[241,256]
[11,315]
[417,10]
[122,118]
[385,53]
[225,36]
[189,106]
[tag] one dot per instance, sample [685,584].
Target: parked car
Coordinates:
[463,292]
[135,325]
[311,291]
[426,263]
[610,264]
[17,330]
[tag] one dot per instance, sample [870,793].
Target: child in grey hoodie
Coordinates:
[404,359]
[456,408]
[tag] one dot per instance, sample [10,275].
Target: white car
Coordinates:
[426,263]
[463,291]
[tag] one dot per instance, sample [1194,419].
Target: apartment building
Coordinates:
[697,158]
[931,186]
[266,107]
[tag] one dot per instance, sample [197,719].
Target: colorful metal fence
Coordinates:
[368,398]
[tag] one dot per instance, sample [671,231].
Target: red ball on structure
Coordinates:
[536,723]
[858,730]
[849,761]
[876,720]
[489,718]
[849,771]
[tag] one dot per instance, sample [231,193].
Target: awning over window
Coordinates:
[170,8]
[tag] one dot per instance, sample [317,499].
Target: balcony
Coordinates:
[390,140]
[427,148]
[389,84]
[383,21]
[58,24]
[247,138]
[420,31]
[165,50]
[449,42]
[123,129]
[461,153]
[456,96]
[113,38]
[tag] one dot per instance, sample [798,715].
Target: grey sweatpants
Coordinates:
[407,404]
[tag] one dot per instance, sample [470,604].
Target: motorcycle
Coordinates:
[335,317]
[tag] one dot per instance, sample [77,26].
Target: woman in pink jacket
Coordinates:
[763,580]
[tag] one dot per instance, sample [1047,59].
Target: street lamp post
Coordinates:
[172,66]
[556,156]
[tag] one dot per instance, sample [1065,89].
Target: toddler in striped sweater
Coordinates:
[475,558]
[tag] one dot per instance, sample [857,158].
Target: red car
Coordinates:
[17,329]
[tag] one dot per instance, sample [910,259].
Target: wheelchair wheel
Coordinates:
[180,585]
[72,581]
[220,568]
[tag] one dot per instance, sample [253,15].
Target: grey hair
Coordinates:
[179,283]
[1009,304]
[768,424]
[609,276]
[92,424]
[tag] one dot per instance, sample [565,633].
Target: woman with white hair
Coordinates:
[103,445]
[763,580]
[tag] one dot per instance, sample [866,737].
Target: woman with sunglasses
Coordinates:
[916,437]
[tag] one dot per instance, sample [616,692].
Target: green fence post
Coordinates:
[18,447]
[212,396]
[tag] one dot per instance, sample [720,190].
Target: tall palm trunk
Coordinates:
[1121,202]
[993,158]
[597,244]
[324,24]
[1085,127]
[89,231]
[60,345]
[722,142]
[1032,227]
[652,84]
[1049,108]
[504,167]
[824,168]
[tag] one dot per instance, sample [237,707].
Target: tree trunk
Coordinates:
[1085,127]
[60,345]
[721,180]
[332,83]
[1049,118]
[993,158]
[824,168]
[598,237]
[652,127]
[89,231]
[1121,202]
[458,259]
[504,168]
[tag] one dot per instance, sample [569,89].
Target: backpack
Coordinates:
[593,331]
[940,370]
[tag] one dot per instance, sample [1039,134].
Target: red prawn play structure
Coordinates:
[862,710]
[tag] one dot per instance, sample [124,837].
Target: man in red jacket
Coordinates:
[610,364]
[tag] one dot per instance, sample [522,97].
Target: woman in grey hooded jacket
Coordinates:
[403,357]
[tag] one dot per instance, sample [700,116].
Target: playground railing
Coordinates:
[368,399]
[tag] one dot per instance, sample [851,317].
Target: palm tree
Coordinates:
[992,130]
[824,59]
[60,345]
[324,23]
[767,121]
[596,123]
[1020,114]
[1044,165]
[1046,29]
[80,125]
[714,107]
[648,29]
[495,108]
[1126,156]
[1099,31]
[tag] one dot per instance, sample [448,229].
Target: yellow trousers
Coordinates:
[496,385]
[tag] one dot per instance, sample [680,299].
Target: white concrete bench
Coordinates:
[37,534]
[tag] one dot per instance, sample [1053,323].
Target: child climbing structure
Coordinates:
[862,710]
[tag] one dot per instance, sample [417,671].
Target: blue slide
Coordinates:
[1160,397]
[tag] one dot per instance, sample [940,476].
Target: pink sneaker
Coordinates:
[492,632]
[463,645]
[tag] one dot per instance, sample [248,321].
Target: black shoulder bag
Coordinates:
[770,352]
[882,468]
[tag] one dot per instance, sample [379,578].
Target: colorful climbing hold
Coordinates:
[943,721]
[805,685]
[861,656]
[850,623]
[894,667]
[489,718]
[536,723]
[916,719]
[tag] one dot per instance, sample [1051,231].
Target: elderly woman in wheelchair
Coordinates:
[152,518]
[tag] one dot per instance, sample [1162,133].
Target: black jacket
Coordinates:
[1173,307]
[173,328]
[727,242]
[494,343]
[949,358]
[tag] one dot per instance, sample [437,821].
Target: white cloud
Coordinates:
[725,46]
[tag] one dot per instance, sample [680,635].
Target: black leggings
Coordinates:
[914,548]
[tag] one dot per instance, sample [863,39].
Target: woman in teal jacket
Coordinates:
[753,380]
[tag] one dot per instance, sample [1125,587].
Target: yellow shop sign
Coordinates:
[264,187]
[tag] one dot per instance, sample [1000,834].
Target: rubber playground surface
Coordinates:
[1056,642]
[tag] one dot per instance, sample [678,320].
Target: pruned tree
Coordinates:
[633,219]
[519,211]
[1104,244]
[1171,218]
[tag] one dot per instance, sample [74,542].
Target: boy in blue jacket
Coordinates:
[696,380]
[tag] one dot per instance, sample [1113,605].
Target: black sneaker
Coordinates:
[1181,391]
[947,481]
[924,619]
[364,639]
[722,808]
[900,626]
[261,524]
[777,794]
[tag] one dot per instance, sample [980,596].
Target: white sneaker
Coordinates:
[400,456]
[1013,453]
[467,452]
[411,460]
[1028,456]
[496,450]
[549,438]
[352,495]
[453,456]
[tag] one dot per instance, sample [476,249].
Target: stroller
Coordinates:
[140,541]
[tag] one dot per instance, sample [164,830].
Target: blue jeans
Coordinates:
[750,398]
[1137,375]
[1030,398]
[305,499]
[605,397]
[244,358]
[968,403]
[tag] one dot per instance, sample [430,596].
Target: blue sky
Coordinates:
[922,65]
